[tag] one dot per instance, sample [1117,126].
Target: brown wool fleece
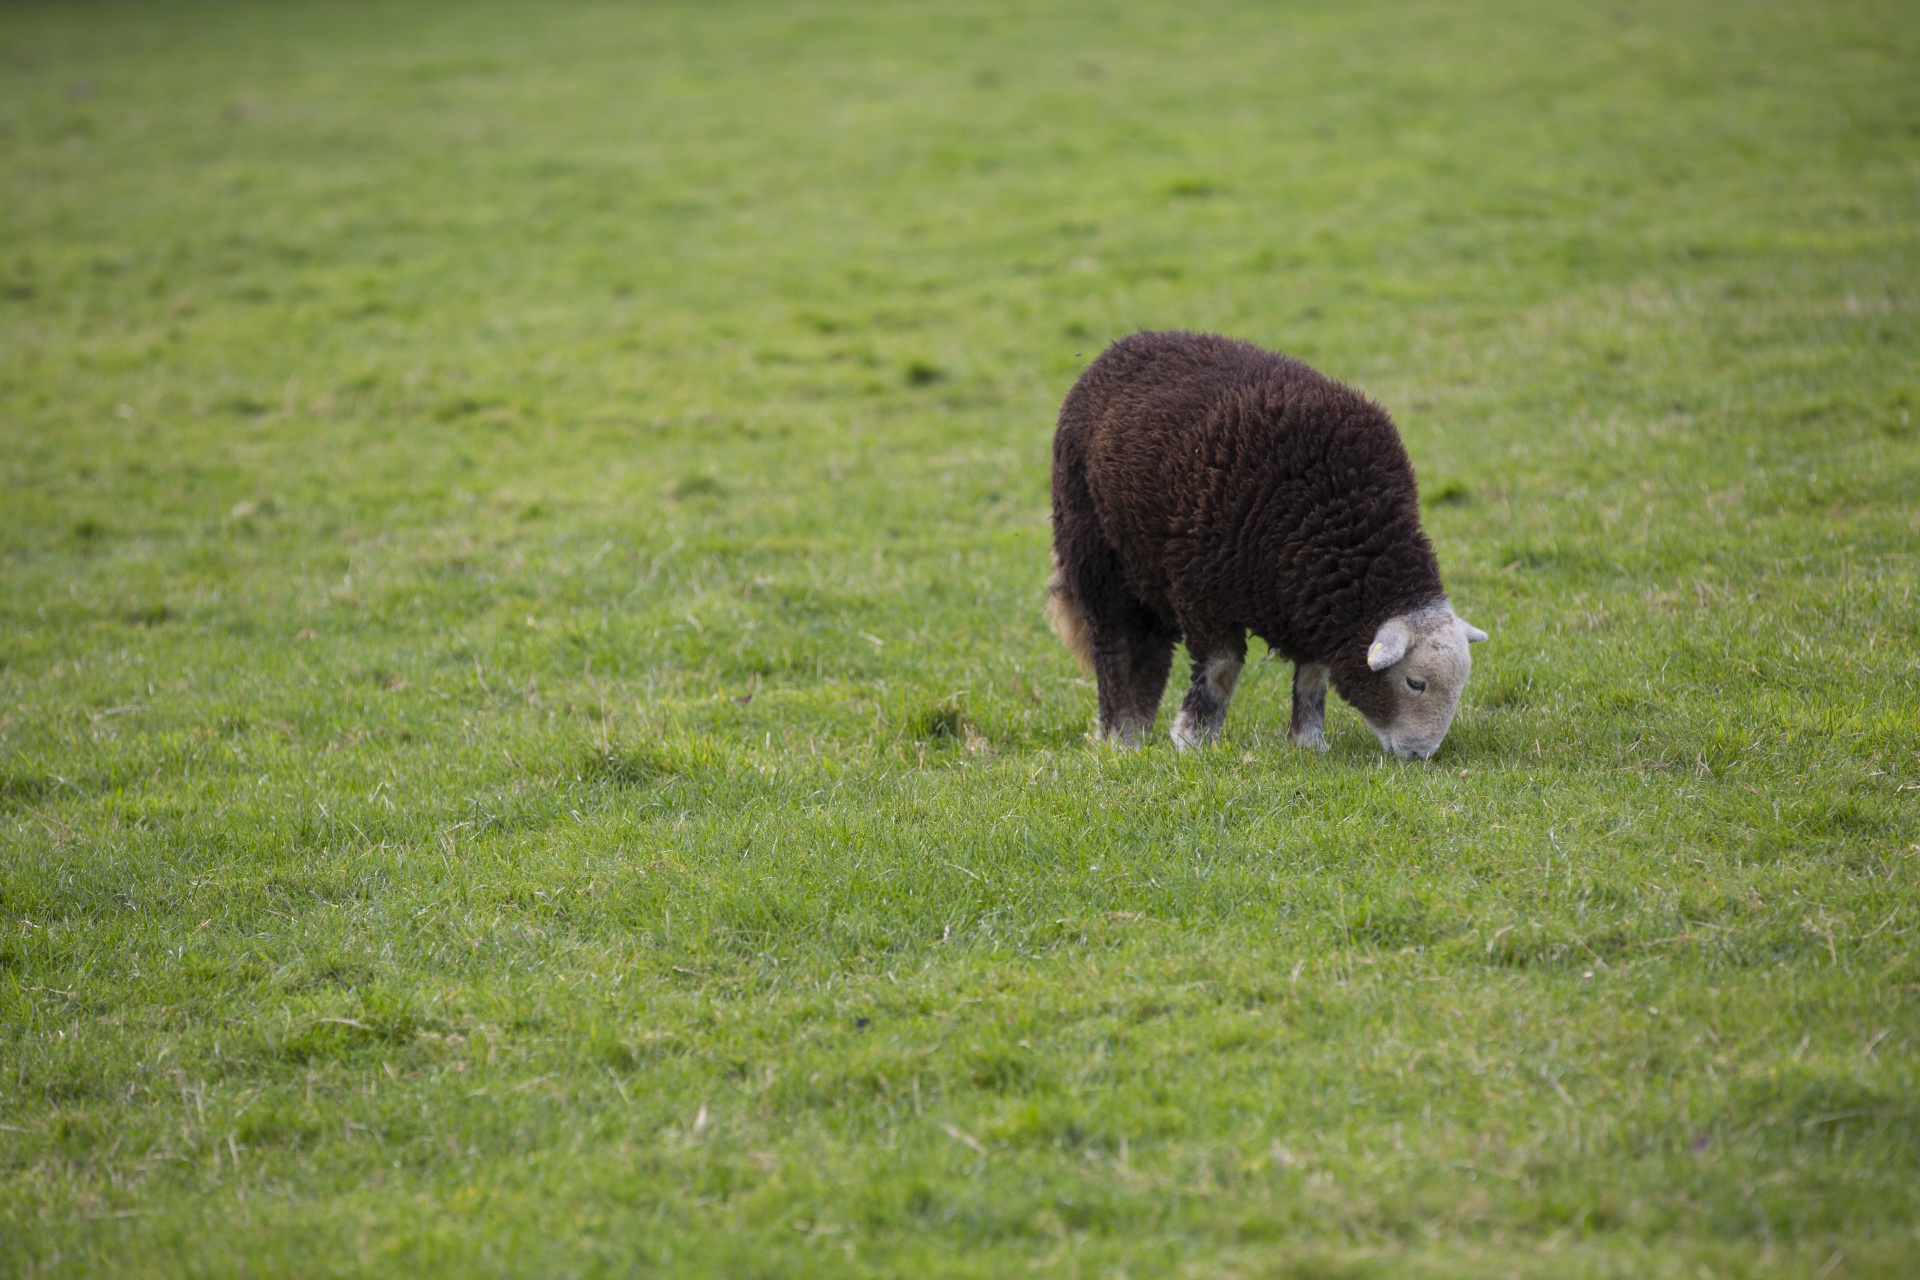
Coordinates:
[1204,487]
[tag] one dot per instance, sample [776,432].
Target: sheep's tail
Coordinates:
[1068,618]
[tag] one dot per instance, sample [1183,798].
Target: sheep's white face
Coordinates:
[1424,659]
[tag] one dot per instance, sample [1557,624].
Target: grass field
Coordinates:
[528,743]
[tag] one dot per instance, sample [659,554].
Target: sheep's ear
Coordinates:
[1389,644]
[1474,634]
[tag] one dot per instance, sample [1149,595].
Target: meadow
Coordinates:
[528,743]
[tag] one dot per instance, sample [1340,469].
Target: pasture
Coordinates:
[528,744]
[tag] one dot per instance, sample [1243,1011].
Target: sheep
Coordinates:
[1204,487]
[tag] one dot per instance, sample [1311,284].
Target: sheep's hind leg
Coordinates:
[1204,709]
[1131,670]
[1308,725]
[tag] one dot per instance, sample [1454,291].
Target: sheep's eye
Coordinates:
[1418,686]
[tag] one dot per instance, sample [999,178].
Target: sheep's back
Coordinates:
[1242,487]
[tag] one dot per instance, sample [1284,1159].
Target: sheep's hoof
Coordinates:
[1315,741]
[1188,734]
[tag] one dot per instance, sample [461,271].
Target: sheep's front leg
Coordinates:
[1308,726]
[1204,709]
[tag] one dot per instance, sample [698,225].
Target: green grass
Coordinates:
[528,744]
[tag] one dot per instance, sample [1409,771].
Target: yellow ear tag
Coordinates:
[1373,654]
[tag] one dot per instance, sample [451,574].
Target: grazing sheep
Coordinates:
[1204,488]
